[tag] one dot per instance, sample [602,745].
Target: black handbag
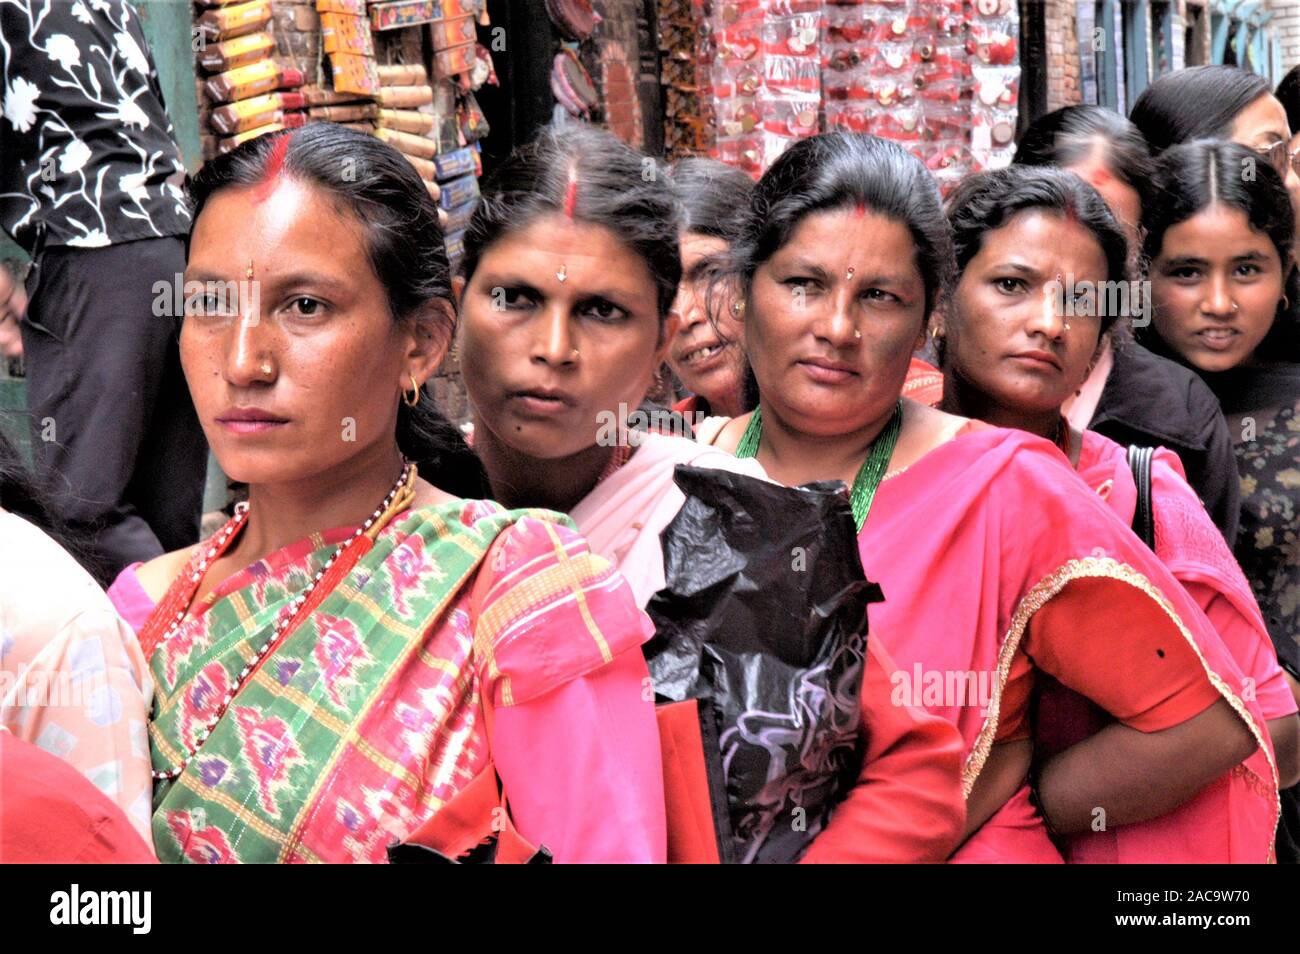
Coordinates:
[1144,518]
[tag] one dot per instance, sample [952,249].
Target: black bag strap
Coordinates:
[1144,518]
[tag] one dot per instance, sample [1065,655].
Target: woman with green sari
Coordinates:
[365,654]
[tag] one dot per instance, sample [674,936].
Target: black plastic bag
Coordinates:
[763,620]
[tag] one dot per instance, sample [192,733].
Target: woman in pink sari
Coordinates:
[571,270]
[1000,569]
[1018,233]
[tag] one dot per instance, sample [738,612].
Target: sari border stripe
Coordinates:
[1047,588]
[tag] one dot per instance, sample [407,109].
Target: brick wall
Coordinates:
[1062,54]
[1286,27]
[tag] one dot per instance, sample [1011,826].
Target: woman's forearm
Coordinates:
[1004,773]
[1120,775]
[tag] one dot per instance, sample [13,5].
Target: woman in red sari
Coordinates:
[1041,271]
[335,677]
[999,568]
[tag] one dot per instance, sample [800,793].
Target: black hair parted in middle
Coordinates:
[841,170]
[1195,176]
[594,177]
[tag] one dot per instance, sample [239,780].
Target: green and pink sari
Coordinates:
[429,663]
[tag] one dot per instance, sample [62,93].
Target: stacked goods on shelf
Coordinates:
[457,171]
[346,109]
[765,78]
[684,54]
[398,121]
[397,14]
[295,27]
[244,91]
[346,40]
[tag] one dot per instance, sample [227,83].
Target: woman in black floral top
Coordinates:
[1224,282]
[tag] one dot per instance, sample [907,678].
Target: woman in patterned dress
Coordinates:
[334,677]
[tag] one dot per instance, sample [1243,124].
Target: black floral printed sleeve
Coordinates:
[1267,443]
[86,148]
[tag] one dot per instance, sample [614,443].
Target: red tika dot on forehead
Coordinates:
[274,166]
[860,210]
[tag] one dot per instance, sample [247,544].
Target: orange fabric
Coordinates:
[924,383]
[692,836]
[1140,669]
[907,806]
[51,814]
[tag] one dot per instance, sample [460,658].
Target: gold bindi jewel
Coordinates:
[849,276]
[562,274]
[248,272]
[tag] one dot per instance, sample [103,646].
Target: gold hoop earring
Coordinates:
[1286,303]
[934,334]
[412,397]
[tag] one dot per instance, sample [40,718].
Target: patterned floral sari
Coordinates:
[374,712]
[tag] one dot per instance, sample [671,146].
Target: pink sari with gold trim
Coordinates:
[976,546]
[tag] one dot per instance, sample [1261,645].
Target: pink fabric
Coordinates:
[1079,408]
[1191,546]
[129,597]
[582,764]
[624,514]
[80,688]
[957,542]
[1014,832]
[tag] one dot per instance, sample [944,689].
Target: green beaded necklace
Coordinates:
[870,474]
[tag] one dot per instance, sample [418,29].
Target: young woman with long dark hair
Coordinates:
[1224,280]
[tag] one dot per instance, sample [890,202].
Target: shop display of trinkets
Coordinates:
[940,76]
[571,85]
[765,77]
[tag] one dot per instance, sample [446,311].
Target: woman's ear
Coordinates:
[667,332]
[937,328]
[429,338]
